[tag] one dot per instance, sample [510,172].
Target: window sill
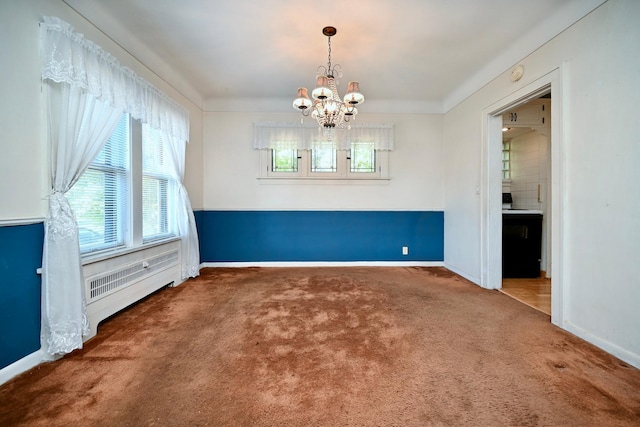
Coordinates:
[322,180]
[113,253]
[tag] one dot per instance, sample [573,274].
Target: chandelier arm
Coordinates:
[337,71]
[319,73]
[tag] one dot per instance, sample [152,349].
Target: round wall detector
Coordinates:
[517,73]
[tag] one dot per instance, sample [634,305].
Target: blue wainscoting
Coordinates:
[20,256]
[338,236]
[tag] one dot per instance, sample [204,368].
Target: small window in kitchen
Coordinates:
[506,160]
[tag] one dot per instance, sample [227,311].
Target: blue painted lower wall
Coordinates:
[227,236]
[20,256]
[339,236]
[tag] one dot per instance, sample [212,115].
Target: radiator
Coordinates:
[115,283]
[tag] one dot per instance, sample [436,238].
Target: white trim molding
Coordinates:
[21,365]
[323,264]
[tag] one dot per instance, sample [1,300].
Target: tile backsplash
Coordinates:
[529,171]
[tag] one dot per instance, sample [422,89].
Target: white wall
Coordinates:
[231,169]
[24,164]
[600,64]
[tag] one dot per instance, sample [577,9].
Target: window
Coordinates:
[100,197]
[324,161]
[124,198]
[324,157]
[363,157]
[284,160]
[303,151]
[156,185]
[506,159]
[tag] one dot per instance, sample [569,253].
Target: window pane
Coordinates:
[154,207]
[100,197]
[324,157]
[506,156]
[156,184]
[363,157]
[284,160]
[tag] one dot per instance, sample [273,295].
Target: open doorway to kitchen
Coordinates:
[551,192]
[526,207]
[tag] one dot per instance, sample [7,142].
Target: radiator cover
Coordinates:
[115,283]
[109,282]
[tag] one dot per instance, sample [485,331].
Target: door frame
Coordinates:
[491,187]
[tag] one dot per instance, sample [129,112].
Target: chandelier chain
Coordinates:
[329,64]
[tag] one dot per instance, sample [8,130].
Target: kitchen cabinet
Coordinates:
[521,244]
[532,114]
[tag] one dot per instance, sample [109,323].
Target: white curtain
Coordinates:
[68,57]
[185,219]
[268,135]
[79,126]
[88,91]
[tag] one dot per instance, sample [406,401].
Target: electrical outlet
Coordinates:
[405,250]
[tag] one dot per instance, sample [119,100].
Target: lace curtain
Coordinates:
[88,90]
[268,135]
[175,156]
[69,58]
[79,126]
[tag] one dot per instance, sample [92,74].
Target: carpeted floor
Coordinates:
[328,347]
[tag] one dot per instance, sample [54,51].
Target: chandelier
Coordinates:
[327,107]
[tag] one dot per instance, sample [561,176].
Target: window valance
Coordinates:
[69,58]
[269,135]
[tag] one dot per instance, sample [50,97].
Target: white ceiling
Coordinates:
[408,55]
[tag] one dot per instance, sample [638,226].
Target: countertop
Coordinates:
[521,211]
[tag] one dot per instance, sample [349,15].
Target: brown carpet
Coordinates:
[328,347]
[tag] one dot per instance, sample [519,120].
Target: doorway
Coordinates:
[526,260]
[491,255]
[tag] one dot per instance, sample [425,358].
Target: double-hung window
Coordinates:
[125,197]
[100,198]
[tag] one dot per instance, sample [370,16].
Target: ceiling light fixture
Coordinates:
[327,108]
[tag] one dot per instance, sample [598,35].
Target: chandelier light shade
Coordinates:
[329,110]
[302,101]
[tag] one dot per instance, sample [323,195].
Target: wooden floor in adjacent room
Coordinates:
[533,292]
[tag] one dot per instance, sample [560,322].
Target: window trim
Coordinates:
[132,227]
[343,173]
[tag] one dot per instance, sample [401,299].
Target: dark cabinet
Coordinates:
[521,245]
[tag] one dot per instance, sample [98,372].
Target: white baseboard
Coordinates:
[325,264]
[20,366]
[629,357]
[472,279]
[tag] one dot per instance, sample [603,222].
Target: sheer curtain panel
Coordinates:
[269,135]
[185,219]
[79,126]
[88,91]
